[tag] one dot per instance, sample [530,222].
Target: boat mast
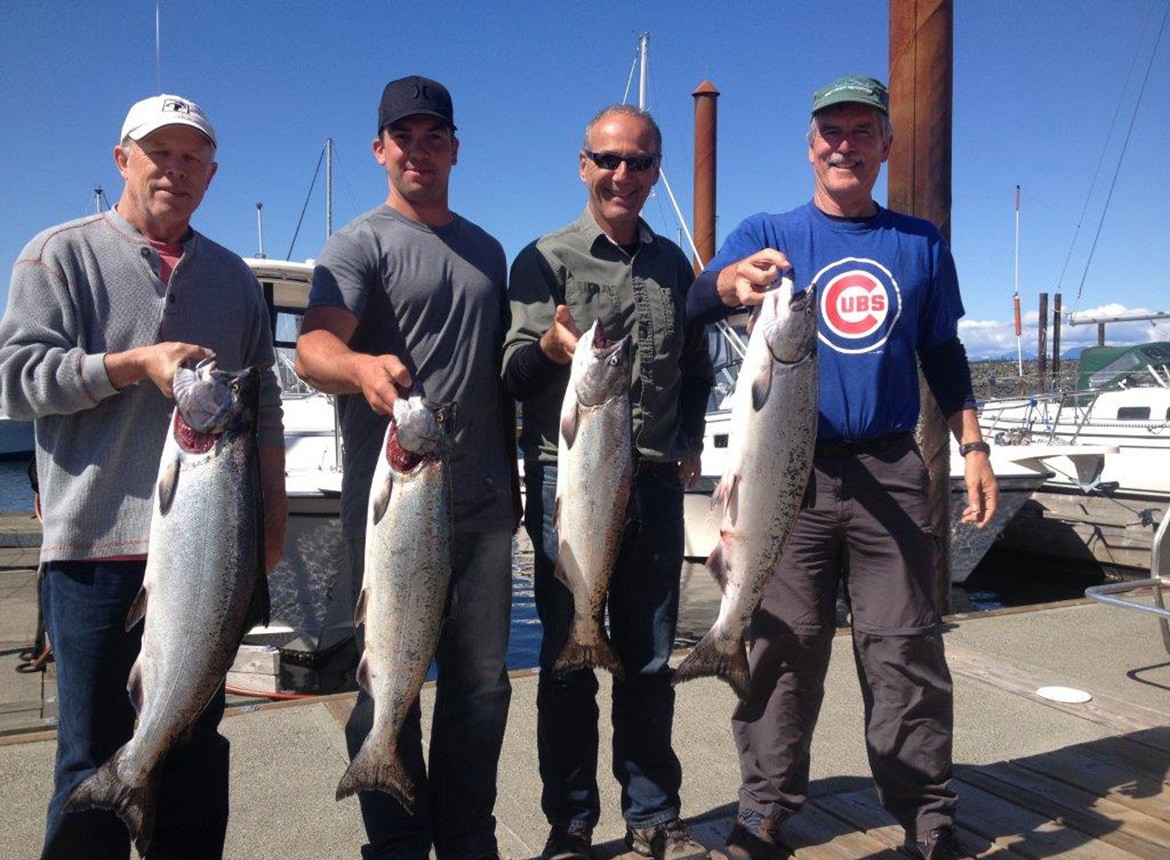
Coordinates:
[260,228]
[1016,295]
[328,187]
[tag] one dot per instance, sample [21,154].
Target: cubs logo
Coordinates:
[860,303]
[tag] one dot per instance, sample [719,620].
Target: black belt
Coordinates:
[872,445]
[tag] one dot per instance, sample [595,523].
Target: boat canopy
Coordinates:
[1108,366]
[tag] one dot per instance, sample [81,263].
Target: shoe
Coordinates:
[568,843]
[754,837]
[942,843]
[666,841]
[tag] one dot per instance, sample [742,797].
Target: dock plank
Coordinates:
[1127,829]
[1026,832]
[863,811]
[1102,779]
[1120,716]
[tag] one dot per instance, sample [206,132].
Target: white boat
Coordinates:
[310,590]
[1107,443]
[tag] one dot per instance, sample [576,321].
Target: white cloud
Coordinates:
[986,339]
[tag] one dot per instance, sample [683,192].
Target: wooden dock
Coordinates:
[1036,778]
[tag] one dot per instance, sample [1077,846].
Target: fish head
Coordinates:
[788,321]
[210,402]
[601,367]
[422,430]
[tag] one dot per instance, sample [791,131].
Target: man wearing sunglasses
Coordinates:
[609,266]
[888,301]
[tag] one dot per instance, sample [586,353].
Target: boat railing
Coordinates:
[1041,420]
[1118,593]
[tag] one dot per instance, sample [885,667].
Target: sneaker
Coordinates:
[568,843]
[755,837]
[942,843]
[666,841]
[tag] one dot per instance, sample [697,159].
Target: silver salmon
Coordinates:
[773,434]
[595,472]
[204,584]
[404,586]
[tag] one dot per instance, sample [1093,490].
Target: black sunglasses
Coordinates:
[611,160]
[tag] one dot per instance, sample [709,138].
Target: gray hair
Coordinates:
[887,127]
[626,110]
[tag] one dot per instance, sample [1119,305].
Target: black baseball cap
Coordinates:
[414,95]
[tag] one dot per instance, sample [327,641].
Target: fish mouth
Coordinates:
[402,460]
[189,439]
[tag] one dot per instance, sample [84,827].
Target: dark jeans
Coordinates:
[643,613]
[868,528]
[85,606]
[456,789]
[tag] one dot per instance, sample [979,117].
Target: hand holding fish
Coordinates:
[382,379]
[157,362]
[743,283]
[560,341]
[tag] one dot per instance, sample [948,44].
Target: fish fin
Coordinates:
[104,789]
[137,609]
[363,674]
[559,570]
[761,386]
[359,612]
[259,608]
[378,767]
[134,687]
[168,482]
[569,425]
[718,567]
[706,660]
[577,655]
[382,501]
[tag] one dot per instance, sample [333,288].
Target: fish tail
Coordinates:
[579,655]
[105,789]
[705,660]
[377,767]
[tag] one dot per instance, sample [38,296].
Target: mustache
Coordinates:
[838,159]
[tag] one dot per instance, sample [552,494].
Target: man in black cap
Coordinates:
[411,294]
[888,301]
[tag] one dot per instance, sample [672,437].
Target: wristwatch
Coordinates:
[967,447]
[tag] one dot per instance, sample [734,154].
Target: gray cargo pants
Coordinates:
[867,528]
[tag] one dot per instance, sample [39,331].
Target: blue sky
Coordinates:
[1037,88]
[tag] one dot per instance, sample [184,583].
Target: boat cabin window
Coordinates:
[1134,413]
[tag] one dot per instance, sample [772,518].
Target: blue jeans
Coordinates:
[457,788]
[643,613]
[85,604]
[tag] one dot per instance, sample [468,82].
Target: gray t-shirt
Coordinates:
[437,299]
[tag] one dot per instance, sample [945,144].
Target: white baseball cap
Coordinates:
[153,113]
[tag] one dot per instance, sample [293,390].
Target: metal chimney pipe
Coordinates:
[706,119]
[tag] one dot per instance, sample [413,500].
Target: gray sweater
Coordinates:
[92,286]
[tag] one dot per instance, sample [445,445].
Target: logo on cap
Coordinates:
[860,303]
[176,106]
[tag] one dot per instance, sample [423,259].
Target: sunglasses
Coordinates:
[611,161]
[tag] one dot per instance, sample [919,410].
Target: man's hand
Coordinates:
[560,341]
[982,489]
[743,284]
[383,379]
[157,363]
[690,468]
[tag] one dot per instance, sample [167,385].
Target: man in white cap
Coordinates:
[101,311]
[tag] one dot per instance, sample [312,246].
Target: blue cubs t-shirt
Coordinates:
[886,287]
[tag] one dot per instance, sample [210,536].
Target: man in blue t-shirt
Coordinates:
[888,301]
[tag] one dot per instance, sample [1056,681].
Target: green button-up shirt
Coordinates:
[643,294]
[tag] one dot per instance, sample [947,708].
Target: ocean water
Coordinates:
[15,492]
[999,581]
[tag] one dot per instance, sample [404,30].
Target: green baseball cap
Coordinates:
[853,88]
